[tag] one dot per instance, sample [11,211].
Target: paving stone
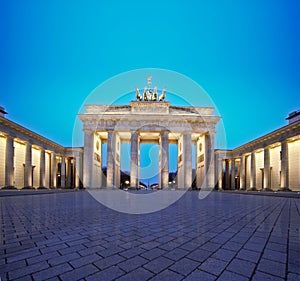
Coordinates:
[274,255]
[53,248]
[72,249]
[209,246]
[176,254]
[271,267]
[241,267]
[198,275]
[230,276]
[111,251]
[150,245]
[51,272]
[199,255]
[277,247]
[110,273]
[62,259]
[248,255]
[12,266]
[14,274]
[23,255]
[223,254]
[158,265]
[153,253]
[140,274]
[167,275]
[181,240]
[232,246]
[185,266]
[132,263]
[294,267]
[213,266]
[259,276]
[79,273]
[293,277]
[85,260]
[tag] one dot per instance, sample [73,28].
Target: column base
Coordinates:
[284,189]
[207,188]
[9,187]
[242,188]
[267,189]
[252,189]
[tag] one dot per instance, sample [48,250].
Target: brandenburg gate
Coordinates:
[148,119]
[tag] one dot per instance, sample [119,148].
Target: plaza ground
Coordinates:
[226,236]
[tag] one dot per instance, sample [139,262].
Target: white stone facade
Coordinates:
[149,122]
[32,161]
[271,162]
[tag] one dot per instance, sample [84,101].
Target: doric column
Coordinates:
[28,165]
[242,173]
[232,185]
[134,155]
[164,155]
[77,170]
[117,162]
[284,181]
[210,160]
[227,174]
[267,168]
[220,173]
[42,168]
[111,158]
[53,170]
[9,161]
[69,173]
[63,172]
[187,159]
[253,172]
[88,158]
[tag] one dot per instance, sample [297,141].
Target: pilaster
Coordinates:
[253,172]
[242,173]
[284,180]
[42,168]
[267,168]
[9,161]
[53,183]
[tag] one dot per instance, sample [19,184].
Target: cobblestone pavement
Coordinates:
[70,236]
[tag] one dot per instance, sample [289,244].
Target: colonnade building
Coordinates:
[29,160]
[271,162]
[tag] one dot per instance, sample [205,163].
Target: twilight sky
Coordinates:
[245,54]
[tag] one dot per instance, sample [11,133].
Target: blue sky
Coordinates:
[245,54]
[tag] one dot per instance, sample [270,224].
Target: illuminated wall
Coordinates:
[36,154]
[248,170]
[294,165]
[47,169]
[259,156]
[2,160]
[275,167]
[19,161]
